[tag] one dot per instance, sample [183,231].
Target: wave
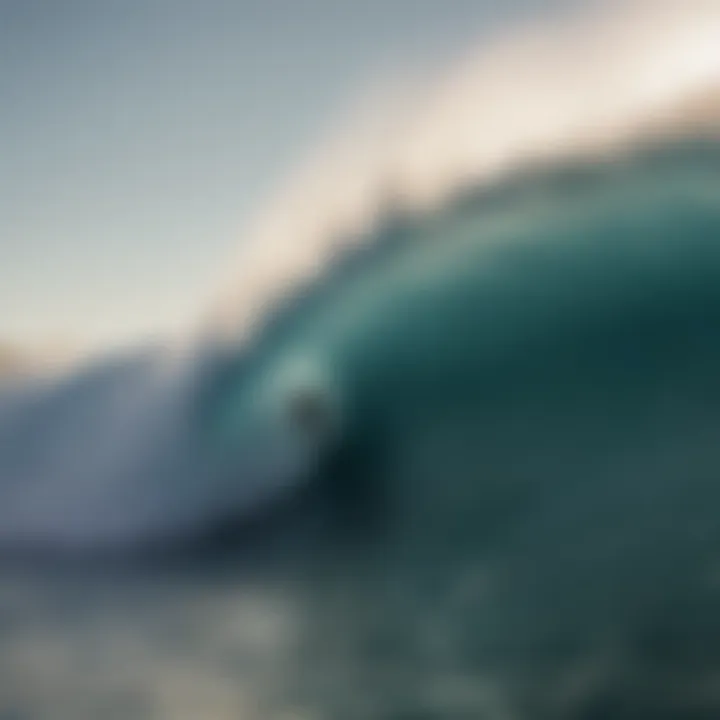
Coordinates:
[537,213]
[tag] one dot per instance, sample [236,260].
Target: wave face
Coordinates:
[152,447]
[435,329]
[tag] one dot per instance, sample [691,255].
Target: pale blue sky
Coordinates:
[136,137]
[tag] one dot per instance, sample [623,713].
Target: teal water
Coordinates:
[474,472]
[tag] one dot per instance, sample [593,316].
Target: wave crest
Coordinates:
[587,86]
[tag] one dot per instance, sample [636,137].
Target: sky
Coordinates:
[137,137]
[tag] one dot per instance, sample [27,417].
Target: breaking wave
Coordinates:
[114,453]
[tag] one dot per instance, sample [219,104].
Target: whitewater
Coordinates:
[442,443]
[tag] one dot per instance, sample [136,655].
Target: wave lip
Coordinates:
[586,86]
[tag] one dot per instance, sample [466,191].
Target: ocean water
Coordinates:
[467,469]
[500,502]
